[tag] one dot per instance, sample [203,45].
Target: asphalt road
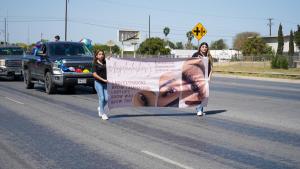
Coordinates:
[249,124]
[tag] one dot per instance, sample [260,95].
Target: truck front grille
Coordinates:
[13,63]
[79,65]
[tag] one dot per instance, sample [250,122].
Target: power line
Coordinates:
[172,11]
[116,27]
[32,20]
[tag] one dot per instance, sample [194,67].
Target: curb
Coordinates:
[256,78]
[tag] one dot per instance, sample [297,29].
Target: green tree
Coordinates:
[241,38]
[24,46]
[291,49]
[115,49]
[279,61]
[256,47]
[153,46]
[291,44]
[190,37]
[218,45]
[297,37]
[166,32]
[170,44]
[280,41]
[179,45]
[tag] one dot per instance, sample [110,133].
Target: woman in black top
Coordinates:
[99,73]
[203,51]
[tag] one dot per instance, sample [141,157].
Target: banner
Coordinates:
[157,82]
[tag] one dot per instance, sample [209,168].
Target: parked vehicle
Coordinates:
[59,64]
[11,61]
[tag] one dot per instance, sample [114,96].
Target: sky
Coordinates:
[99,20]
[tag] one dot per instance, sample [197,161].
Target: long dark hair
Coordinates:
[207,53]
[95,56]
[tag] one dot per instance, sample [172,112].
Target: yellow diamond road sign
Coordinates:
[199,31]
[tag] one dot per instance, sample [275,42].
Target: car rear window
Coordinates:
[66,49]
[11,51]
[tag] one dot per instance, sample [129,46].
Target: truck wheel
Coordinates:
[27,80]
[49,86]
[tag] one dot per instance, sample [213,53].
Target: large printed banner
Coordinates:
[157,82]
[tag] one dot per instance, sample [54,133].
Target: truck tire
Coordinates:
[27,80]
[49,85]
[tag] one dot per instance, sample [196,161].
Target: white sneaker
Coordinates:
[200,113]
[104,117]
[99,112]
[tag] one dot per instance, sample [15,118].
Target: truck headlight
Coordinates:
[56,69]
[2,62]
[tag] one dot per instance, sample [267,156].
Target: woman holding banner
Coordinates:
[203,52]
[99,73]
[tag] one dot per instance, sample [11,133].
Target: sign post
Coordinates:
[110,43]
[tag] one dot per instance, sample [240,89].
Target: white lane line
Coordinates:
[14,100]
[166,160]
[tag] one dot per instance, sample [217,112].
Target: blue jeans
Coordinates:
[102,95]
[199,107]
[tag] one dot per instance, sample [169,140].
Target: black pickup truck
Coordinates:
[59,64]
[11,61]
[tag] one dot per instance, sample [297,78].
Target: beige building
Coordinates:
[273,42]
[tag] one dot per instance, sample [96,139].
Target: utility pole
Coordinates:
[66,20]
[5,36]
[28,35]
[149,26]
[270,25]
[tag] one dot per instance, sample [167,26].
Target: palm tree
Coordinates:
[166,31]
[190,37]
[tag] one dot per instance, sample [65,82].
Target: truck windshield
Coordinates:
[68,49]
[11,51]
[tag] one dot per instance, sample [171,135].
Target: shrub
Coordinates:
[279,62]
[283,62]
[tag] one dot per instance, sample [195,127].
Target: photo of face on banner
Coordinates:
[194,89]
[144,98]
[169,90]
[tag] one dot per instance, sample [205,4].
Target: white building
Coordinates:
[226,54]
[182,53]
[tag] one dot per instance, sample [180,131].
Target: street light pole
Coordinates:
[66,19]
[5,31]
[149,27]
